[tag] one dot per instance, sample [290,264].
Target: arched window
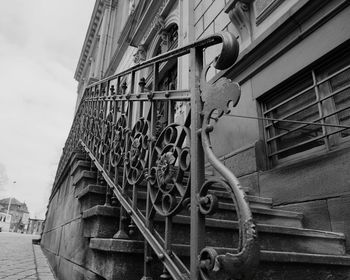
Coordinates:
[168,73]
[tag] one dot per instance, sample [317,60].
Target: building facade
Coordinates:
[19,213]
[285,136]
[5,221]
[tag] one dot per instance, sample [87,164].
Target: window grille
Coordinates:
[320,95]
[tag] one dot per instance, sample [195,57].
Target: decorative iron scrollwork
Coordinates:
[136,158]
[169,176]
[216,99]
[106,135]
[117,151]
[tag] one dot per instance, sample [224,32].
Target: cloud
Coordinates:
[40,43]
[3,177]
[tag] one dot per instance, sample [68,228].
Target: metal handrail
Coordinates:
[128,153]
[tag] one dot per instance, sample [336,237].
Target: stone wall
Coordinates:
[62,239]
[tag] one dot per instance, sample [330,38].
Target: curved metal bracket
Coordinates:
[216,98]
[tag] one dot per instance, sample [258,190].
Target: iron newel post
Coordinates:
[207,98]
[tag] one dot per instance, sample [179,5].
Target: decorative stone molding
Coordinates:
[140,55]
[239,13]
[110,4]
[158,22]
[131,7]
[164,37]
[107,3]
[91,59]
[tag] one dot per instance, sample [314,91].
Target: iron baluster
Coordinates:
[122,234]
[197,162]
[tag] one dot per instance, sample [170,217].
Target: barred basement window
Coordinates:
[321,95]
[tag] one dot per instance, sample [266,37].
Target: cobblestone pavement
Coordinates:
[20,259]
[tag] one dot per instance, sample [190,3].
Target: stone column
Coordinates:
[107,6]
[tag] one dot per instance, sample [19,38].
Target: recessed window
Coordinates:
[320,95]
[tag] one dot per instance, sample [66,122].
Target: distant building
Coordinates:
[35,226]
[18,211]
[5,221]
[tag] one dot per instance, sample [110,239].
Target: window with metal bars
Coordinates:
[310,112]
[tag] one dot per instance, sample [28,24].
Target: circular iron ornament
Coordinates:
[136,157]
[119,134]
[169,176]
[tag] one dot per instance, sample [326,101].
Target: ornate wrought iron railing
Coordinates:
[128,131]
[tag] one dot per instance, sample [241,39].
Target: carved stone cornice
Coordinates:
[110,3]
[89,39]
[239,14]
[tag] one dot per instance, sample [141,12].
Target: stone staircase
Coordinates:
[288,250]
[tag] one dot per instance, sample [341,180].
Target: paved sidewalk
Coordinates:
[20,259]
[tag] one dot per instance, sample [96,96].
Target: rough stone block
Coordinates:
[73,246]
[91,196]
[213,11]
[50,240]
[79,166]
[117,265]
[83,179]
[70,270]
[316,215]
[199,27]
[339,212]
[199,11]
[52,259]
[315,178]
[121,259]
[221,22]
[68,207]
[250,182]
[300,271]
[242,163]
[101,221]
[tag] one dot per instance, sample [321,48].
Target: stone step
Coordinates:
[278,230]
[220,233]
[261,213]
[91,196]
[83,179]
[273,265]
[79,166]
[101,221]
[137,246]
[256,201]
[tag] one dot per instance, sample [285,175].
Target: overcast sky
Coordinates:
[40,44]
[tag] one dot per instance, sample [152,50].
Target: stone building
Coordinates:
[5,221]
[18,211]
[169,116]
[35,226]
